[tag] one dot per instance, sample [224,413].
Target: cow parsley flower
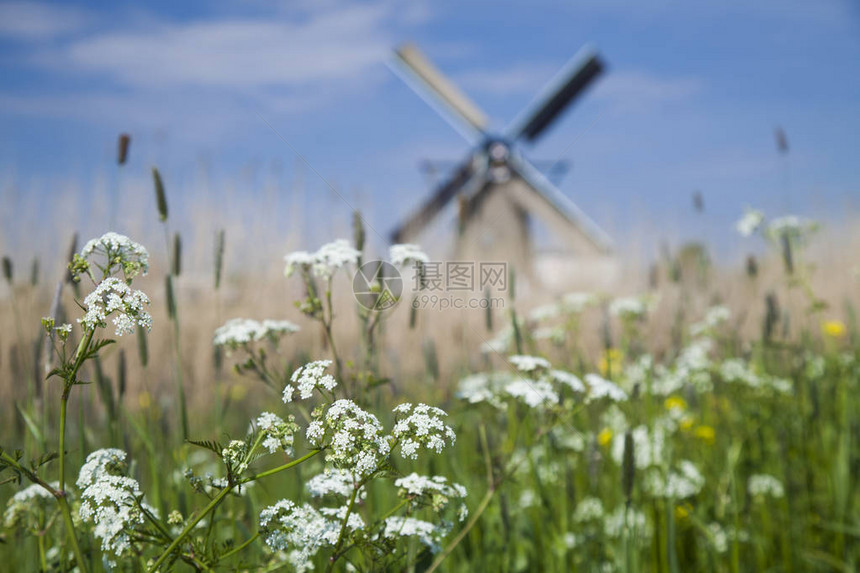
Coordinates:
[630,308]
[324,262]
[429,534]
[525,363]
[791,226]
[113,297]
[762,485]
[577,302]
[421,425]
[334,482]
[239,331]
[303,528]
[30,507]
[308,378]
[434,491]
[686,482]
[353,438]
[535,393]
[588,509]
[405,253]
[599,387]
[234,456]
[115,249]
[484,387]
[279,434]
[749,222]
[109,500]
[570,380]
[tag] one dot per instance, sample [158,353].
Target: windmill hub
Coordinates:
[499,151]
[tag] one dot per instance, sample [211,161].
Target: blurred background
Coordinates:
[689,103]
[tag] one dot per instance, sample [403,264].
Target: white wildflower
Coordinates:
[429,534]
[599,387]
[570,380]
[535,393]
[622,518]
[588,509]
[279,434]
[114,249]
[749,222]
[629,308]
[763,485]
[355,439]
[286,525]
[234,455]
[543,313]
[324,262]
[419,426]
[483,387]
[296,260]
[109,500]
[114,297]
[681,484]
[239,331]
[434,491]
[576,302]
[28,507]
[336,482]
[404,253]
[308,378]
[525,363]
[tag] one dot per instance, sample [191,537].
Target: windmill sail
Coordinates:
[569,83]
[438,91]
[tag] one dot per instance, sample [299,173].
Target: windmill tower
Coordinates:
[500,193]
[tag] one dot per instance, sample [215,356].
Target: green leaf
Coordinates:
[31,425]
[208,445]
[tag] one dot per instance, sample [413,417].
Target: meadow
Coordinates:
[251,421]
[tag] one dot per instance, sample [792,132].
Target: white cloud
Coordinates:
[637,91]
[240,53]
[35,21]
[517,79]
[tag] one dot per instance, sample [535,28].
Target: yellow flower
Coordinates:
[673,402]
[238,392]
[682,512]
[144,400]
[610,363]
[686,423]
[604,437]
[833,328]
[705,433]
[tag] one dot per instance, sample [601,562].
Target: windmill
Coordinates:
[498,190]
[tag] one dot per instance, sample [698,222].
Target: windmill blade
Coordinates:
[439,92]
[569,83]
[464,179]
[556,203]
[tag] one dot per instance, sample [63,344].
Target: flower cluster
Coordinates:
[29,508]
[308,378]
[334,482]
[749,222]
[286,525]
[279,435]
[405,253]
[421,425]
[434,491]
[429,534]
[764,485]
[110,500]
[240,331]
[325,262]
[113,297]
[353,437]
[114,250]
[630,308]
[235,456]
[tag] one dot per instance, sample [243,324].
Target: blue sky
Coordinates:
[689,102]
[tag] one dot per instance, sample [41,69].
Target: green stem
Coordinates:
[485,502]
[70,530]
[336,553]
[239,548]
[216,501]
[42,559]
